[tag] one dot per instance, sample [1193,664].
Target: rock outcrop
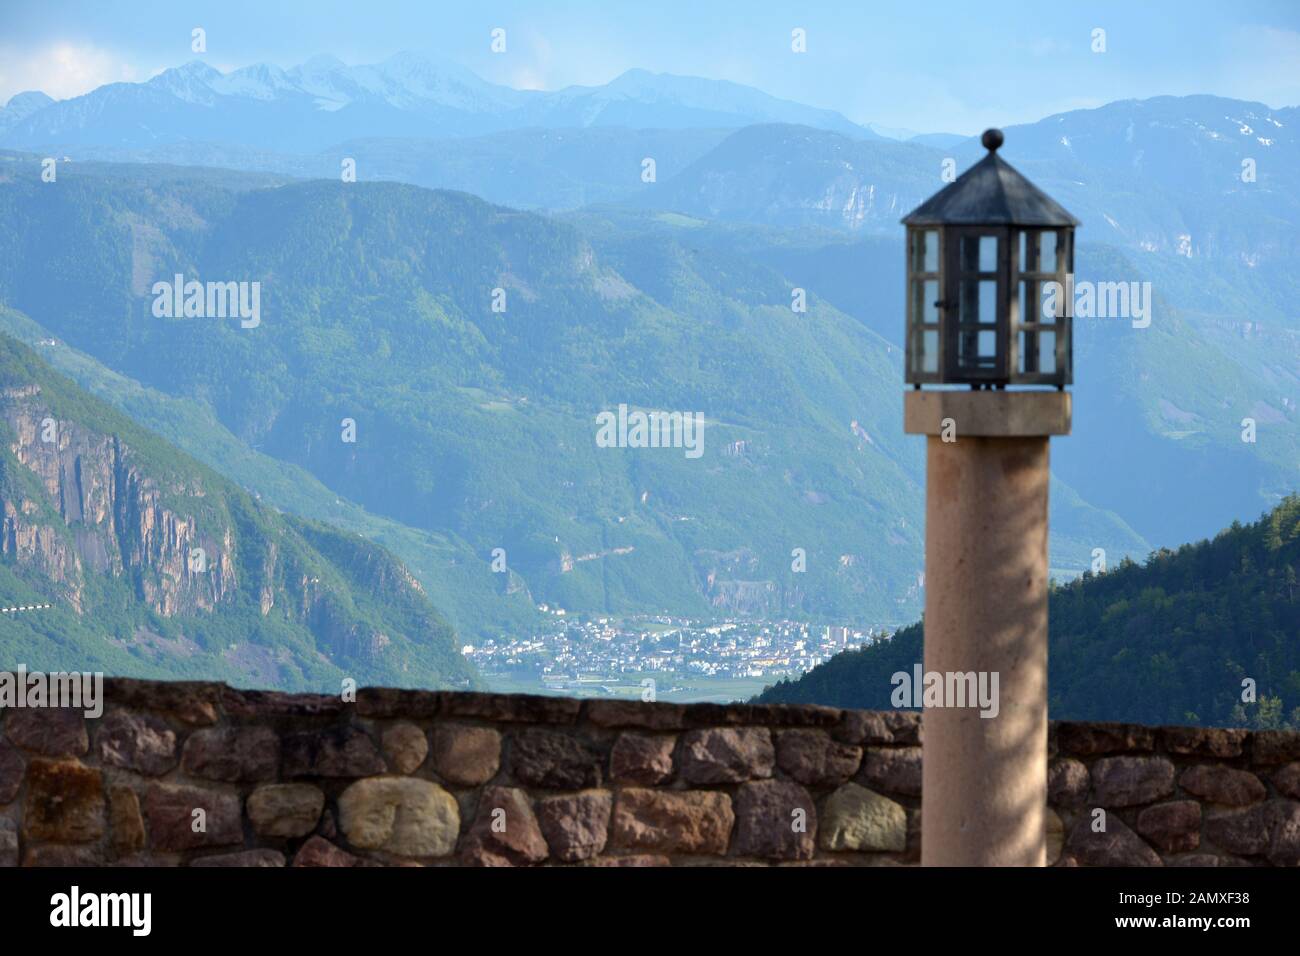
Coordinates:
[155,564]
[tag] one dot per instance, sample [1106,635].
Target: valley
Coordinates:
[473,341]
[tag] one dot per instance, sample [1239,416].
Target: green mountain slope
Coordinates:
[474,603]
[155,565]
[1169,641]
[527,168]
[1157,436]
[479,426]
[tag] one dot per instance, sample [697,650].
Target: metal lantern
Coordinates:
[981,254]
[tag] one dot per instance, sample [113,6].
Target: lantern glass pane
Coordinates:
[988,253]
[988,302]
[1046,251]
[1028,353]
[1047,352]
[930,351]
[925,250]
[925,293]
[978,303]
[1039,301]
[1038,250]
[977,348]
[1029,301]
[1053,301]
[979,253]
[1056,302]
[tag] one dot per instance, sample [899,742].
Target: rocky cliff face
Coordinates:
[149,555]
[115,516]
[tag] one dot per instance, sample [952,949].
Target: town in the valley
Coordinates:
[661,657]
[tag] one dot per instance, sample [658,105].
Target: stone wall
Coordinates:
[203,775]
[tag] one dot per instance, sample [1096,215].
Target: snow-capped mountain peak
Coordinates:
[324,101]
[191,83]
[409,78]
[261,81]
[325,78]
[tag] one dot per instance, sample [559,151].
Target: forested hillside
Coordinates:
[1167,641]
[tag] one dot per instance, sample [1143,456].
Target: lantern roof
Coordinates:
[990,193]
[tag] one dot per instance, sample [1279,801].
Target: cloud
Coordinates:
[535,72]
[61,70]
[526,78]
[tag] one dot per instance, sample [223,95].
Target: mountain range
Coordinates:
[480,425]
[472,340]
[323,101]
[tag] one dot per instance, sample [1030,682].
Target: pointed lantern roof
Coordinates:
[990,193]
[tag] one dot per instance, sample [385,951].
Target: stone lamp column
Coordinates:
[988,259]
[984,779]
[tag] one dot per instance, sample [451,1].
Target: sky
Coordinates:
[932,66]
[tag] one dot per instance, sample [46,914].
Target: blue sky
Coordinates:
[936,65]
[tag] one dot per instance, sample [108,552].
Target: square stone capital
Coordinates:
[987,414]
